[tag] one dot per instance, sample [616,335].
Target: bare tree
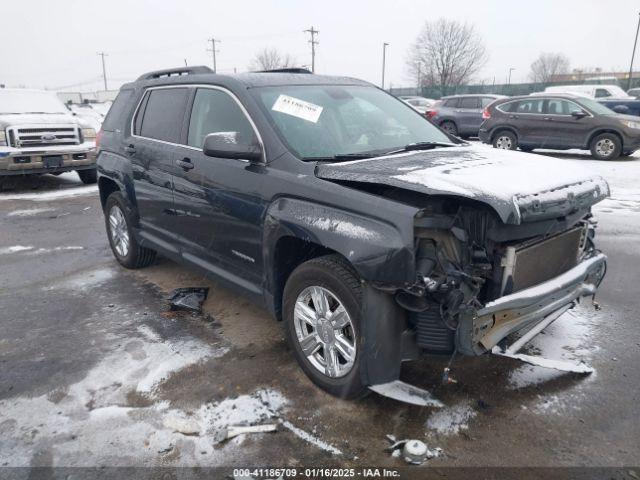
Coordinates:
[270,59]
[547,65]
[446,53]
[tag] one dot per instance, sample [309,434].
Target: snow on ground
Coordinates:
[30,212]
[451,420]
[568,338]
[46,195]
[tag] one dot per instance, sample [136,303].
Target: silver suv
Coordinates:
[461,115]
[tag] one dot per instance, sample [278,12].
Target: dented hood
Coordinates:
[519,186]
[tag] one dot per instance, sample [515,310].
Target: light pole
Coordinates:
[635,43]
[384,59]
[510,70]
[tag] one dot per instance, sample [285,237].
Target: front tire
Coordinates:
[505,140]
[322,302]
[606,146]
[88,176]
[124,245]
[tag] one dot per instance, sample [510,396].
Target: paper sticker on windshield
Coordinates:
[297,108]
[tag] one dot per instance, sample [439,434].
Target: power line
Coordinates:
[313,32]
[635,43]
[213,51]
[104,70]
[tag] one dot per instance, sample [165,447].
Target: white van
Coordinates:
[593,91]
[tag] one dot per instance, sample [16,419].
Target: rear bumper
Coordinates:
[526,308]
[15,161]
[484,136]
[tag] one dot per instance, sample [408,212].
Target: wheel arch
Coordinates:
[501,128]
[600,131]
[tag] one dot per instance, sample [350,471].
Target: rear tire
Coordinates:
[124,245]
[505,140]
[606,146]
[88,176]
[449,127]
[329,330]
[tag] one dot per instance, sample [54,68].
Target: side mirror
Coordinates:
[578,114]
[229,145]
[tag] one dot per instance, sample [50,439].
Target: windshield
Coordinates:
[325,121]
[29,101]
[595,107]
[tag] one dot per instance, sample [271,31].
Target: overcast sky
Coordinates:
[53,44]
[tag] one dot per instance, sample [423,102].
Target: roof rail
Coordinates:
[286,70]
[170,72]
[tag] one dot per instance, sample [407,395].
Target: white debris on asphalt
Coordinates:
[46,195]
[85,280]
[56,249]
[30,212]
[307,437]
[451,420]
[14,249]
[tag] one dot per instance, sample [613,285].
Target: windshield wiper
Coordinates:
[421,146]
[344,157]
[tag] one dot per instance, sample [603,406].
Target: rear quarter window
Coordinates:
[116,116]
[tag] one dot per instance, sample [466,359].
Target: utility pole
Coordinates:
[213,52]
[313,32]
[510,70]
[104,70]
[384,60]
[635,43]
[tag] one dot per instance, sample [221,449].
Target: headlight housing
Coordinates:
[88,134]
[632,124]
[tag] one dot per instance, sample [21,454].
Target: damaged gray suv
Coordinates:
[373,235]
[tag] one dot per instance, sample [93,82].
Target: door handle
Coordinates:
[185,163]
[130,149]
[548,118]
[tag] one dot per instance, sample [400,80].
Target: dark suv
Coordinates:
[369,232]
[560,121]
[460,115]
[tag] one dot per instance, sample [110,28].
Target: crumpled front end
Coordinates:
[479,281]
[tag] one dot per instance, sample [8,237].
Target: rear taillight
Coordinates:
[98,138]
[486,114]
[430,114]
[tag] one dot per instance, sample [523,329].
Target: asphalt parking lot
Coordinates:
[95,371]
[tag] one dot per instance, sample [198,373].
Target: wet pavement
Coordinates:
[94,369]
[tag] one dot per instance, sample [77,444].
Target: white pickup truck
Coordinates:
[39,135]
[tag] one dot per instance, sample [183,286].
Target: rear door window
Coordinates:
[602,92]
[451,102]
[468,102]
[527,106]
[164,114]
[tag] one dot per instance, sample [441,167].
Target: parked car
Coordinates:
[38,134]
[611,96]
[420,104]
[372,234]
[461,115]
[92,113]
[560,122]
[592,91]
[634,92]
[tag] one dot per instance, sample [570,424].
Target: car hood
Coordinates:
[11,119]
[519,186]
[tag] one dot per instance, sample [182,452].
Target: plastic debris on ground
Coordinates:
[234,431]
[189,298]
[413,451]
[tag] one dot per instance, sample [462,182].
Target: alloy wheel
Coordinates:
[605,147]
[504,143]
[325,331]
[119,231]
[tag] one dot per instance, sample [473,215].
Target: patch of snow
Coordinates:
[307,437]
[14,249]
[85,280]
[450,420]
[56,249]
[30,212]
[52,194]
